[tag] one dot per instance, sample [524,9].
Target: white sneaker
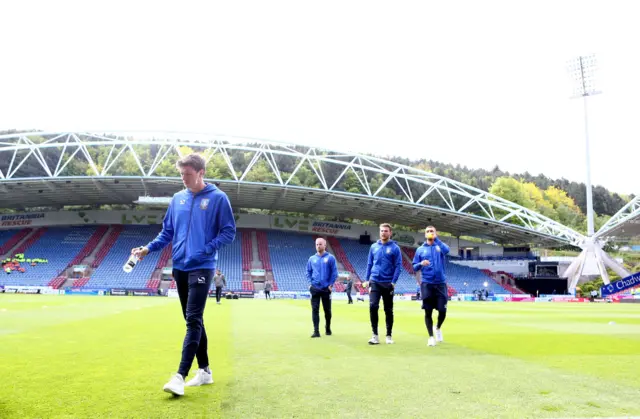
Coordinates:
[432,341]
[202,377]
[374,340]
[175,385]
[438,333]
[390,341]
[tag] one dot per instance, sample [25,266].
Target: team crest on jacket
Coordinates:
[326,260]
[204,203]
[438,248]
[388,251]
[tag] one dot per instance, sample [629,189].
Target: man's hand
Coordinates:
[393,286]
[140,252]
[330,288]
[425,263]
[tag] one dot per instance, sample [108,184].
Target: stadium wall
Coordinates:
[520,267]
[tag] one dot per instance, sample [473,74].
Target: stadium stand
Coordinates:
[284,256]
[106,246]
[340,255]
[247,247]
[406,263]
[90,246]
[230,262]
[57,282]
[247,285]
[153,284]
[508,287]
[10,238]
[26,245]
[165,255]
[80,282]
[410,252]
[59,246]
[358,255]
[263,250]
[289,253]
[109,274]
[465,279]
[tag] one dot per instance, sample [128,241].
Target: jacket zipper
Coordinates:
[189,225]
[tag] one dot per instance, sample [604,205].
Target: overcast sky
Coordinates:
[477,83]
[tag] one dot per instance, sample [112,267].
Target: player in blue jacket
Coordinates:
[383,270]
[430,261]
[322,272]
[198,222]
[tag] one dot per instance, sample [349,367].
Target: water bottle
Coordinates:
[130,264]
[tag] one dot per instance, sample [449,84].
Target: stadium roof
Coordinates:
[624,224]
[63,168]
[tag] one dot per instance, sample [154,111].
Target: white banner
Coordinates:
[29,289]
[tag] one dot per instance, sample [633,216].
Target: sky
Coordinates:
[463,82]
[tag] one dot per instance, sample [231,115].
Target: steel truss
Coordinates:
[629,212]
[374,175]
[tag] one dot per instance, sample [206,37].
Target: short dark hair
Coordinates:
[194,161]
[428,227]
[387,225]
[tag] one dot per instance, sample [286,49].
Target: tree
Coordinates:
[567,212]
[217,167]
[512,190]
[261,172]
[541,205]
[305,176]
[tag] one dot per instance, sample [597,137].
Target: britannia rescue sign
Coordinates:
[11,220]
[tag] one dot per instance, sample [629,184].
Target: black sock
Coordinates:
[441,316]
[207,370]
[429,321]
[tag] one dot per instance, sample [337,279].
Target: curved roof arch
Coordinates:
[624,224]
[112,167]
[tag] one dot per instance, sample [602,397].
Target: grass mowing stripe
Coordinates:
[499,360]
[110,366]
[341,376]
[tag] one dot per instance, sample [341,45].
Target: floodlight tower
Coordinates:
[582,70]
[583,74]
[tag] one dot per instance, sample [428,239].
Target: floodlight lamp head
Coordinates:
[582,72]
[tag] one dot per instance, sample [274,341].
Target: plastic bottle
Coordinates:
[130,263]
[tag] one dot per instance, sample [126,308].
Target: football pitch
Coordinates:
[74,356]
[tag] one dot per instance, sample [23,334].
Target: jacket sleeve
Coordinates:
[309,271]
[398,265]
[334,269]
[224,281]
[443,246]
[166,235]
[369,264]
[416,261]
[226,227]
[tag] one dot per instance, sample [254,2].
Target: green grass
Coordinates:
[66,356]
